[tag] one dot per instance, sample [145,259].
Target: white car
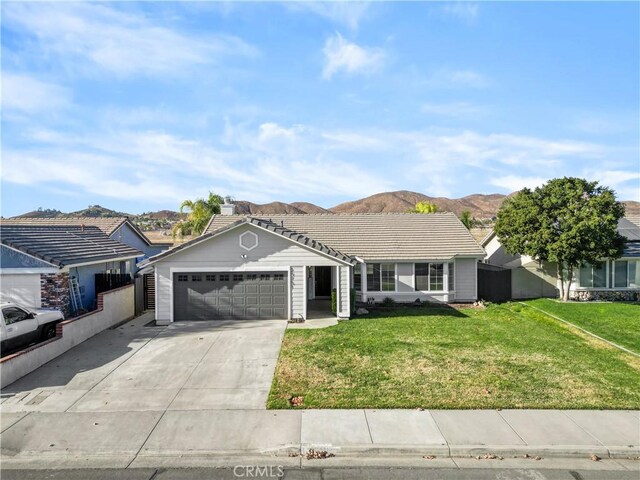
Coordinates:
[20,326]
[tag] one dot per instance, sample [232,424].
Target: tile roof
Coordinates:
[64,245]
[238,220]
[376,236]
[631,249]
[629,227]
[107,224]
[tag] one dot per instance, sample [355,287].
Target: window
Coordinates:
[14,314]
[252,276]
[238,277]
[278,276]
[436,276]
[183,278]
[620,271]
[381,277]
[593,276]
[422,276]
[196,278]
[357,278]
[634,274]
[388,275]
[373,277]
[224,277]
[625,274]
[265,277]
[452,283]
[210,278]
[430,277]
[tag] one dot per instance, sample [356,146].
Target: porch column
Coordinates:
[363,281]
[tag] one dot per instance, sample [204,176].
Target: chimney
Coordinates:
[227,209]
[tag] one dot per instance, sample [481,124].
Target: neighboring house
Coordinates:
[37,262]
[617,279]
[278,266]
[120,229]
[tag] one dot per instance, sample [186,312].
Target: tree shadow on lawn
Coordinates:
[423,310]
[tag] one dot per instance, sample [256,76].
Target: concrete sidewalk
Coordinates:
[175,438]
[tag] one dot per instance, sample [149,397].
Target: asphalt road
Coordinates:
[319,473]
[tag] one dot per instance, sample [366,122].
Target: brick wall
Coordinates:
[54,291]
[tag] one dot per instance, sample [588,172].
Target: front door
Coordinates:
[323,281]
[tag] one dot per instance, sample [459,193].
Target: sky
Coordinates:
[138,106]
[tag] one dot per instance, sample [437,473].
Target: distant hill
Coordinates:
[481,207]
[164,215]
[42,213]
[272,208]
[307,207]
[97,211]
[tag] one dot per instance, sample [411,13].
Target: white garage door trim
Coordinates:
[242,268]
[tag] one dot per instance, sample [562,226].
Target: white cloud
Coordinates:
[258,165]
[513,183]
[453,109]
[342,55]
[115,41]
[616,177]
[465,11]
[27,94]
[349,14]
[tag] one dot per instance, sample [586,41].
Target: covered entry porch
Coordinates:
[321,281]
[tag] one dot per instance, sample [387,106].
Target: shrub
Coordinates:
[388,302]
[334,302]
[353,300]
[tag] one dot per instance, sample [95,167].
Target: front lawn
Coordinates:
[615,321]
[507,356]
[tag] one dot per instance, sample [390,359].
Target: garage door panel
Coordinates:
[210,295]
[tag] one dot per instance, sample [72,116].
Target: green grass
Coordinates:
[616,322]
[507,356]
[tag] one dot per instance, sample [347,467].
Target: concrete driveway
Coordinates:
[185,366]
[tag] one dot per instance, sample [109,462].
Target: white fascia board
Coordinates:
[28,271]
[104,260]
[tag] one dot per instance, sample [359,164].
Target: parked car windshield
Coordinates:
[13,315]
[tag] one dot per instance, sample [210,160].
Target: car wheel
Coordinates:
[49,332]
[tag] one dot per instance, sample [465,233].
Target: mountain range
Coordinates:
[481,207]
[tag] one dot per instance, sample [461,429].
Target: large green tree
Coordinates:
[569,221]
[424,207]
[199,212]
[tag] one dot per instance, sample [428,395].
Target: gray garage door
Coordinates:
[223,296]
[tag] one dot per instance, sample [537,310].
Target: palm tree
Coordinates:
[467,220]
[199,212]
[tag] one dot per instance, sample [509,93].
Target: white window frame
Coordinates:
[613,273]
[445,277]
[395,277]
